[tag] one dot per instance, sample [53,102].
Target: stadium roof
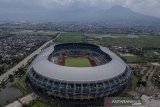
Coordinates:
[78,74]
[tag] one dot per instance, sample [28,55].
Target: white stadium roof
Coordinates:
[50,70]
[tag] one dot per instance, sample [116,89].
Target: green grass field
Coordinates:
[77,62]
[142,41]
[133,59]
[69,37]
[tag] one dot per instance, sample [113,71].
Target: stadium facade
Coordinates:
[108,74]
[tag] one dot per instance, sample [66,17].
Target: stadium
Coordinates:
[78,71]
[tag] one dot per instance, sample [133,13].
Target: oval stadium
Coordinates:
[78,71]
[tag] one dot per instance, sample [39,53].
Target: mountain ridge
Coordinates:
[113,15]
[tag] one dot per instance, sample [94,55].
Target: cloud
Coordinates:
[150,7]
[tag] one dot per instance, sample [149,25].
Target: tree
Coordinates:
[3,84]
[2,70]
[10,76]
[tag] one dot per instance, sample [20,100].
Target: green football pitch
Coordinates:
[77,62]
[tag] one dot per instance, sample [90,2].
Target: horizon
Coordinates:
[21,10]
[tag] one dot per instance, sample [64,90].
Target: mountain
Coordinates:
[125,15]
[114,15]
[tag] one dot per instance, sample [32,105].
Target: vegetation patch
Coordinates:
[134,82]
[141,42]
[133,59]
[70,37]
[22,85]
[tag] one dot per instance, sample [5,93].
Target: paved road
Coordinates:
[24,62]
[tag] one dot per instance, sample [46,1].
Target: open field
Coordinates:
[77,62]
[110,35]
[141,41]
[133,59]
[69,37]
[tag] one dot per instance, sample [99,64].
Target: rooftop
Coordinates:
[83,74]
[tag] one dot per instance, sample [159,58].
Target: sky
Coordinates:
[148,7]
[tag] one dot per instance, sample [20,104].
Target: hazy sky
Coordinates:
[149,7]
